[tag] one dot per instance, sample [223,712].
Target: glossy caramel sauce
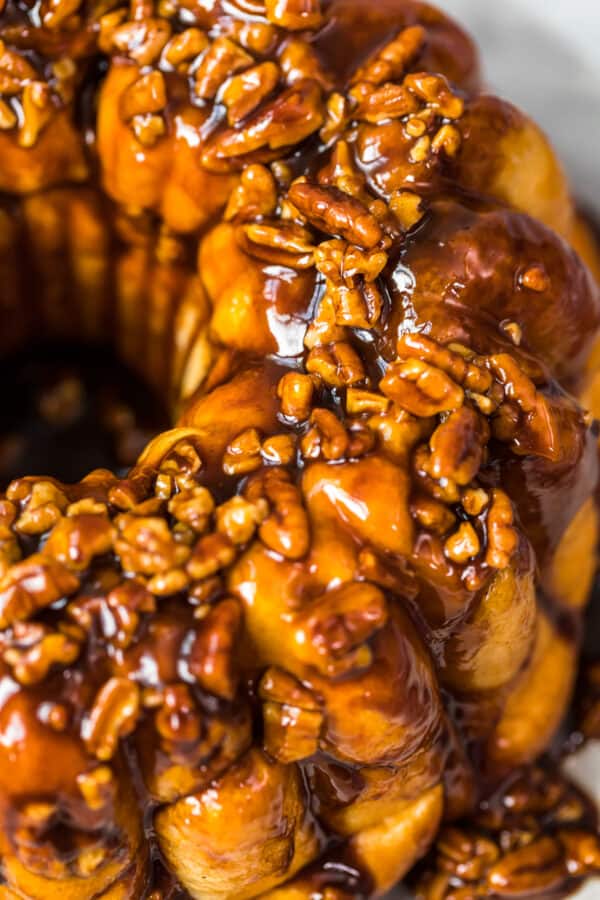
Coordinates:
[281,612]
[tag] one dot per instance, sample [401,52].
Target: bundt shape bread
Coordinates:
[341,601]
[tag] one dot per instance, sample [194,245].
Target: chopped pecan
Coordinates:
[35,649]
[457,446]
[286,529]
[41,502]
[254,196]
[146,546]
[334,212]
[212,553]
[222,59]
[299,60]
[244,92]
[141,41]
[291,715]
[146,95]
[212,658]
[178,719]
[464,368]
[77,539]
[338,364]
[238,518]
[448,139]
[113,716]
[378,104]
[463,545]
[279,450]
[288,119]
[502,538]
[535,278]
[295,391]
[327,437]
[243,454]
[193,507]
[437,93]
[539,866]
[407,207]
[392,61]
[185,47]
[279,243]
[97,787]
[295,15]
[33,584]
[432,515]
[421,389]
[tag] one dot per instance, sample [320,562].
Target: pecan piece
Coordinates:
[254,196]
[540,866]
[334,212]
[290,118]
[33,584]
[212,656]
[286,529]
[338,364]
[391,62]
[113,716]
[244,92]
[421,389]
[295,15]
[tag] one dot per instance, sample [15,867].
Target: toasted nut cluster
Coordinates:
[533,838]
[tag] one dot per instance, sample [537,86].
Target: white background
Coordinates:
[544,55]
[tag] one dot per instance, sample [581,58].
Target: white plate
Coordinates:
[543,55]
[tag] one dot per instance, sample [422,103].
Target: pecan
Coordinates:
[279,450]
[77,539]
[291,715]
[378,104]
[448,139]
[31,658]
[334,212]
[463,367]
[98,787]
[254,196]
[432,515]
[238,519]
[343,263]
[338,364]
[539,866]
[582,851]
[286,529]
[463,545]
[392,61]
[146,546]
[421,150]
[193,507]
[183,464]
[243,454]
[146,95]
[141,41]
[421,389]
[56,12]
[288,119]
[338,112]
[113,716]
[212,553]
[359,401]
[178,719]
[279,243]
[407,207]
[327,437]
[212,659]
[299,60]
[295,15]
[502,536]
[185,47]
[437,93]
[474,501]
[457,446]
[295,391]
[33,584]
[41,502]
[244,92]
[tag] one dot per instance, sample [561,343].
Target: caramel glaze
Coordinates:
[324,611]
